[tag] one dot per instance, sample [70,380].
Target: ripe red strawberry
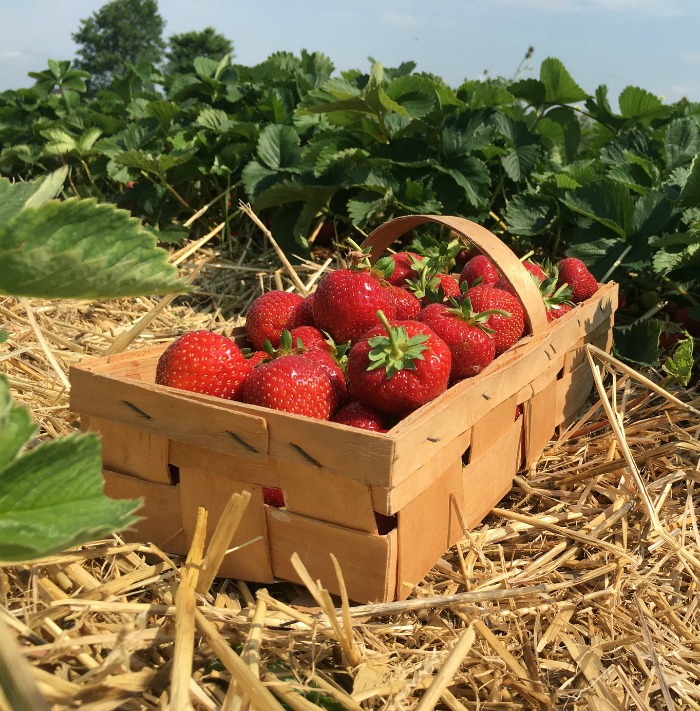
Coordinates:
[403,267]
[431,287]
[398,366]
[407,305]
[507,329]
[535,269]
[332,367]
[346,304]
[257,357]
[479,269]
[357,414]
[273,497]
[469,339]
[292,383]
[204,362]
[573,271]
[271,313]
[310,337]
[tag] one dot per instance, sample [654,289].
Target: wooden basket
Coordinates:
[387,505]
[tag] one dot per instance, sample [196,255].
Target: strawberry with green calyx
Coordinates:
[557,300]
[294,384]
[346,302]
[507,329]
[204,362]
[321,355]
[357,414]
[398,366]
[312,337]
[466,334]
[271,313]
[431,286]
[397,268]
[574,272]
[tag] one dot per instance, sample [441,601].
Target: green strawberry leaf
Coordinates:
[16,196]
[639,342]
[681,142]
[606,202]
[83,250]
[559,86]
[679,365]
[51,497]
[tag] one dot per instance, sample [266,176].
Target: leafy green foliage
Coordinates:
[679,365]
[75,248]
[51,496]
[538,160]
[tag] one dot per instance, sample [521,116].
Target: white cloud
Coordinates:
[11,53]
[690,57]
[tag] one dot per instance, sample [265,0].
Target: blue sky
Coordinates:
[648,43]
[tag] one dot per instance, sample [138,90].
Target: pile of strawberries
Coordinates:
[372,343]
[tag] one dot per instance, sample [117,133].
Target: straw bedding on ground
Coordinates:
[580,590]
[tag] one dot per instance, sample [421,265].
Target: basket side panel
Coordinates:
[391,500]
[313,492]
[130,451]
[493,426]
[239,468]
[490,477]
[156,410]
[428,526]
[162,520]
[539,421]
[367,562]
[202,488]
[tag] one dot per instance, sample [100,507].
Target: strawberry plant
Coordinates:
[547,165]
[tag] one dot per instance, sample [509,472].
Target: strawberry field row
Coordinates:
[539,161]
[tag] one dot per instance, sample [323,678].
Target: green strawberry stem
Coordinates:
[396,351]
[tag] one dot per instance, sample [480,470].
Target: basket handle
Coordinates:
[470,233]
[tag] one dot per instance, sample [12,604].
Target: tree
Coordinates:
[120,31]
[186,47]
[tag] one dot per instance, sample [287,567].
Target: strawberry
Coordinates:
[573,271]
[332,367]
[204,362]
[407,305]
[346,304]
[535,269]
[431,287]
[557,300]
[324,355]
[507,329]
[357,414]
[310,337]
[465,332]
[398,366]
[273,497]
[292,383]
[257,357]
[479,270]
[271,313]
[403,267]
